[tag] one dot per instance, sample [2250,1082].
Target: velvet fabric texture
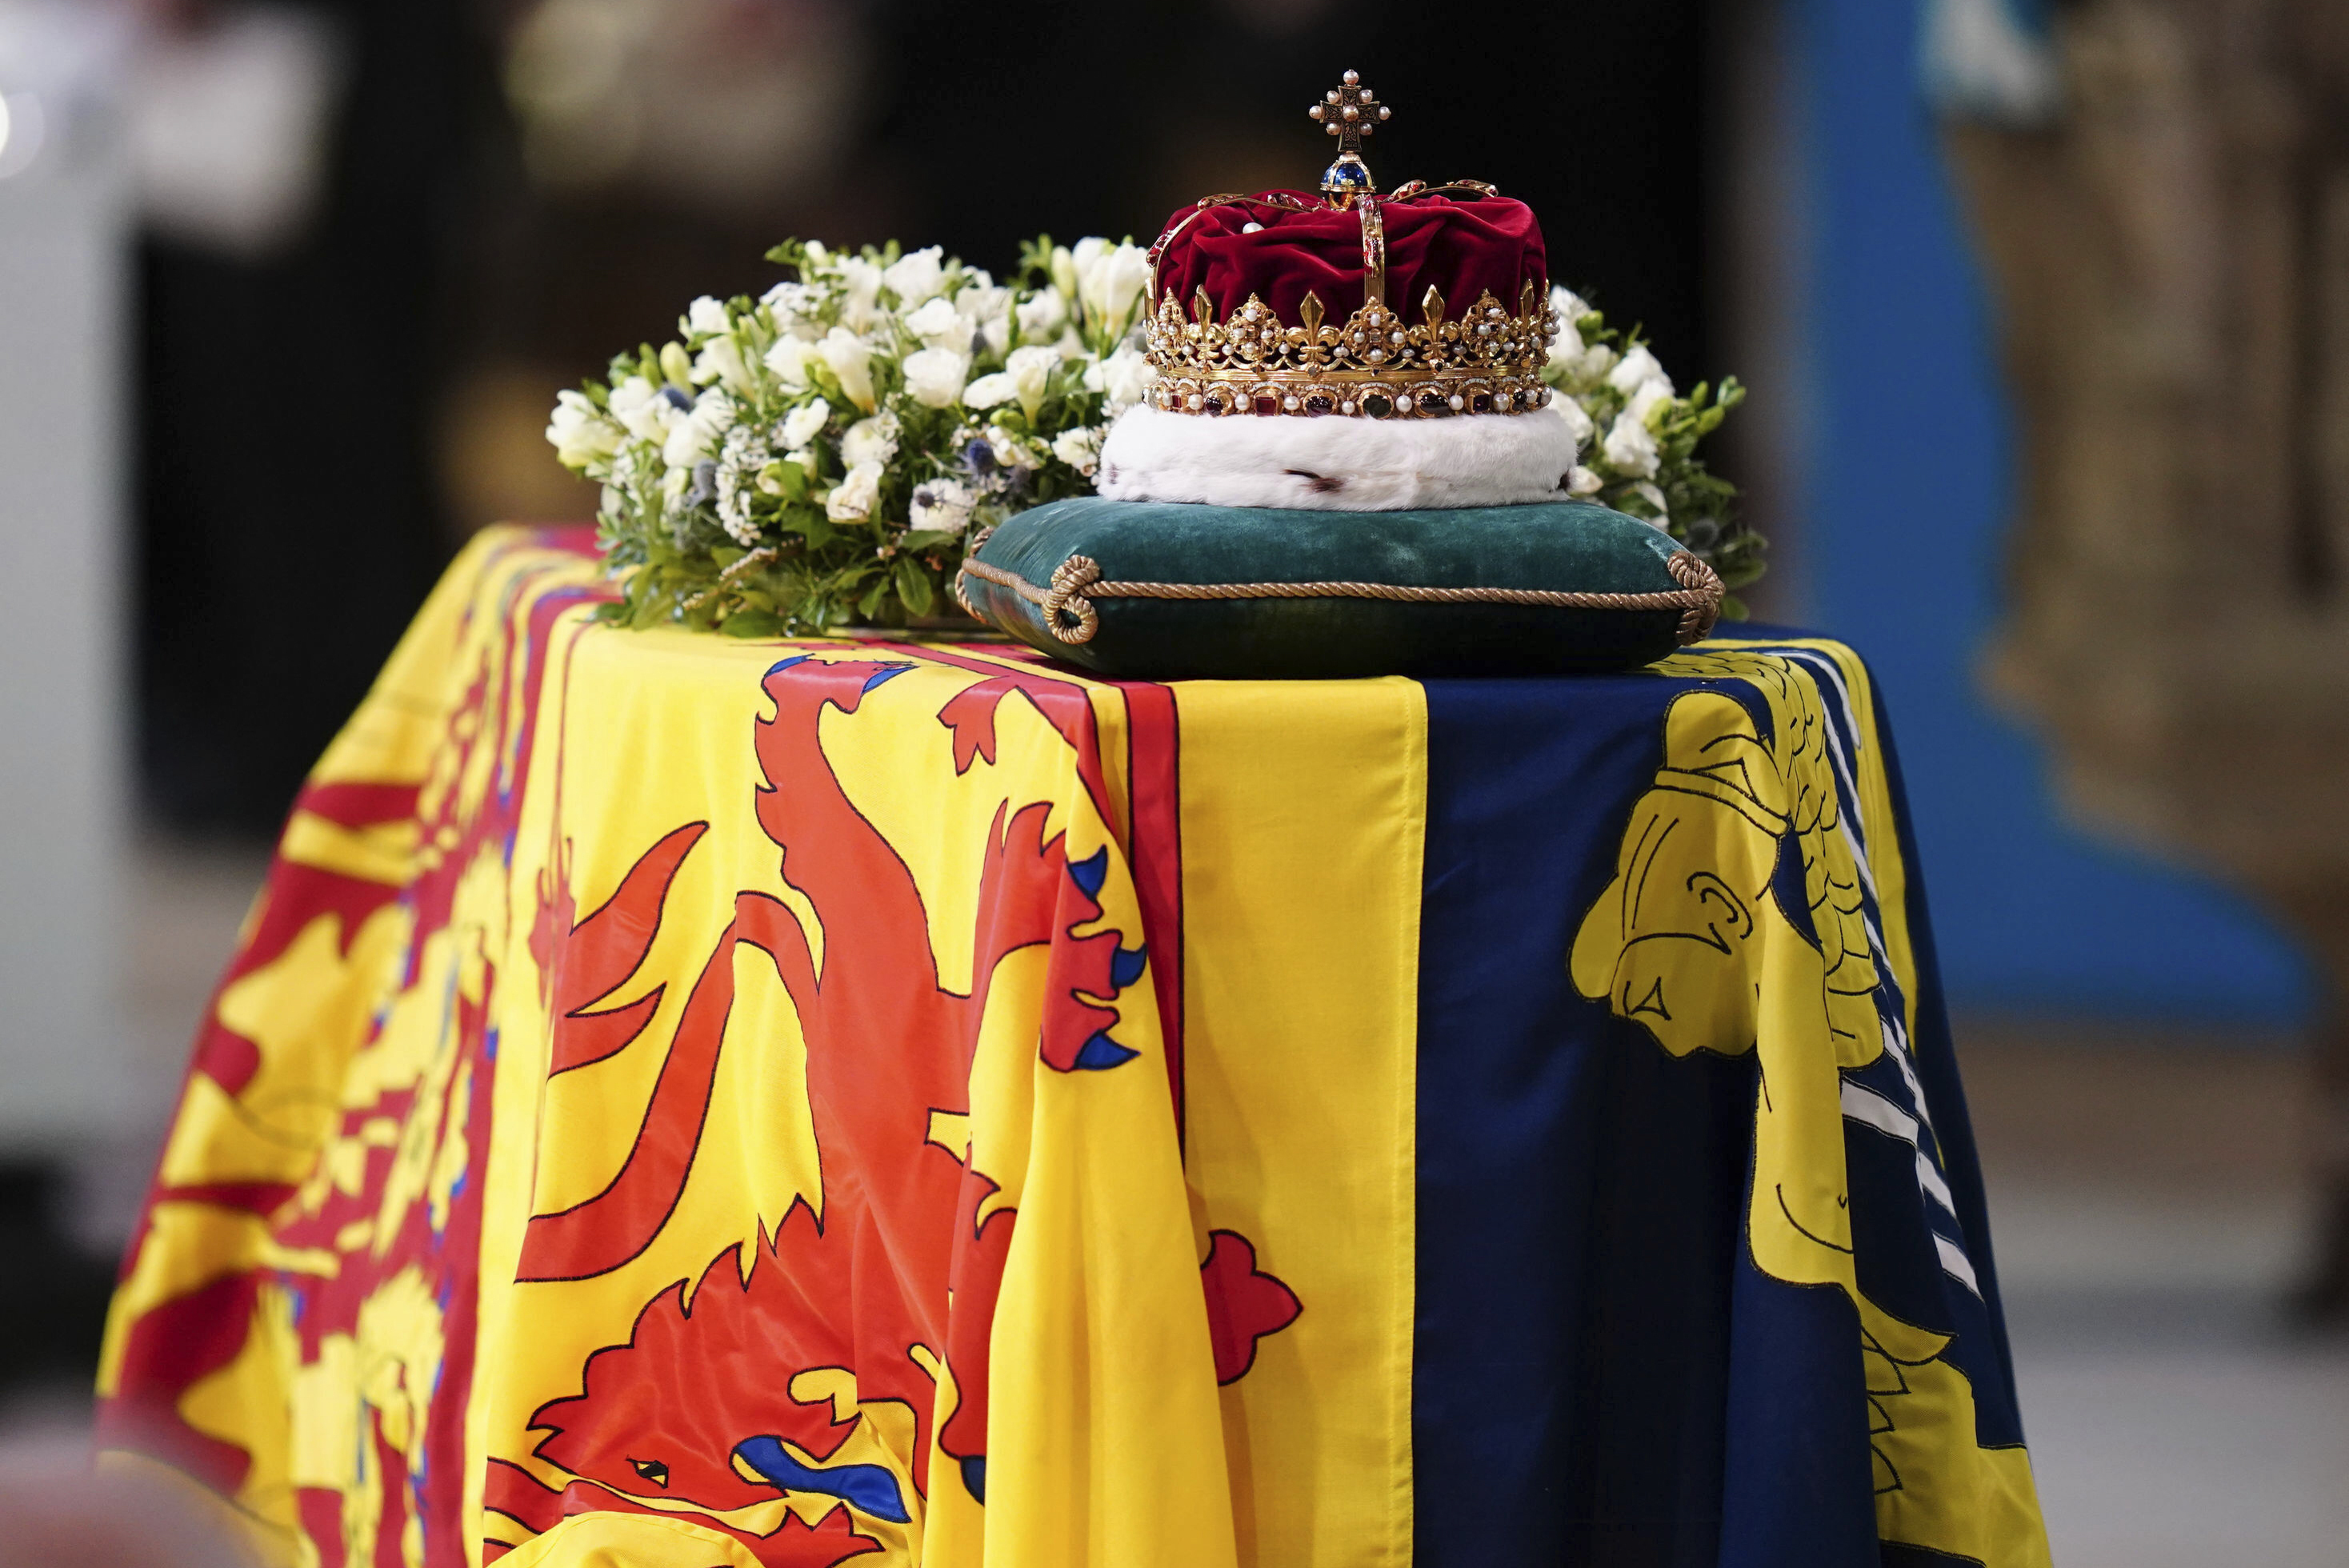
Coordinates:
[1461,247]
[1564,546]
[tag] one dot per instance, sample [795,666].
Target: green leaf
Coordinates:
[914,586]
[869,606]
[751,623]
[925,539]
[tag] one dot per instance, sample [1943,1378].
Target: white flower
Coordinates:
[1654,498]
[856,496]
[1011,451]
[1638,370]
[1596,361]
[643,409]
[1577,417]
[1123,377]
[989,390]
[721,361]
[1651,398]
[1041,318]
[1582,481]
[580,432]
[1566,305]
[944,505]
[873,440]
[982,301]
[803,424]
[940,325]
[1031,369]
[692,438]
[788,359]
[916,276]
[1080,449]
[1065,268]
[1631,446]
[705,317]
[934,377]
[991,308]
[792,302]
[860,302]
[1110,280]
[850,359]
[1566,350]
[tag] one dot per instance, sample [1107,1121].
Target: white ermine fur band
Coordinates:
[1335,463]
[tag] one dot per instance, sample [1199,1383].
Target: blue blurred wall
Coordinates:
[1905,488]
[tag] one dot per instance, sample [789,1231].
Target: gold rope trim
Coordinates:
[1069,615]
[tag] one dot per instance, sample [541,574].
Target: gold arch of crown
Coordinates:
[1486,359]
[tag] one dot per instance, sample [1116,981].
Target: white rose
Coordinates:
[873,440]
[916,276]
[705,317]
[788,359]
[1041,318]
[850,359]
[944,505]
[1568,305]
[860,302]
[1631,446]
[1577,417]
[1582,481]
[580,432]
[1011,451]
[940,325]
[1566,350]
[1080,449]
[856,496]
[1031,369]
[1596,361]
[1651,397]
[802,425]
[934,377]
[1637,370]
[989,390]
[1123,377]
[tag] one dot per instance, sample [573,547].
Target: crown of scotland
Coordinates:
[1239,323]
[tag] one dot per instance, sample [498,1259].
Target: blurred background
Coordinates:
[2045,312]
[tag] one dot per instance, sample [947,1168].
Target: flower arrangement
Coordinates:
[820,456]
[1645,463]
[817,457]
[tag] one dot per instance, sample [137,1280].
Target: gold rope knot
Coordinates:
[1069,614]
[1689,573]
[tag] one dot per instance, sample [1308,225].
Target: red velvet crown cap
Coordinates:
[1461,247]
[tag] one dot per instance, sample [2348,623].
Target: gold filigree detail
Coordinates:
[1488,359]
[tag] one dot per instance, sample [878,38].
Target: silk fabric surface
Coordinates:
[685,1101]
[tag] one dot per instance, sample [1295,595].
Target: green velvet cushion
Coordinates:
[1563,547]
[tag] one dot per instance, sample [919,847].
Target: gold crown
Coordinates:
[1486,360]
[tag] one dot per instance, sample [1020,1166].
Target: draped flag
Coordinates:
[683,1101]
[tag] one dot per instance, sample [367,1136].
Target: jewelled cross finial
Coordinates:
[1349,113]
